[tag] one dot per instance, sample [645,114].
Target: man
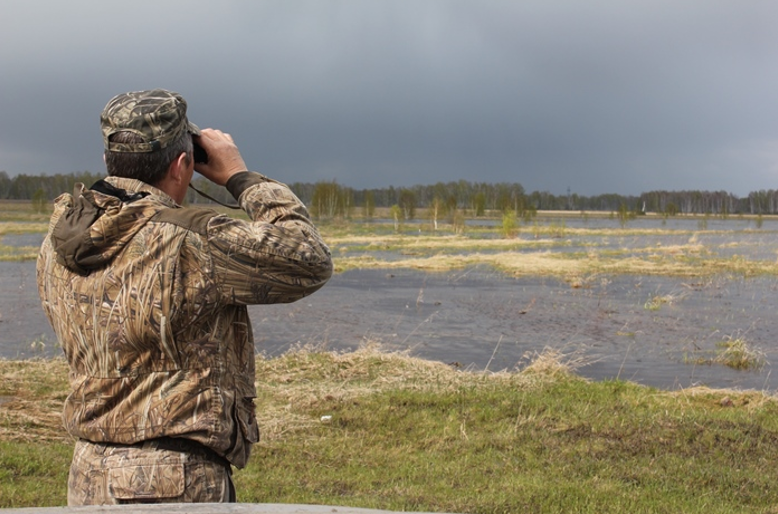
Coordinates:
[148,300]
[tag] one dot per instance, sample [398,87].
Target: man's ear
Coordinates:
[178,167]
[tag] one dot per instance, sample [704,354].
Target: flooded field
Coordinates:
[659,330]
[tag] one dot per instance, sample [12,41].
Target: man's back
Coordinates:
[157,336]
[148,300]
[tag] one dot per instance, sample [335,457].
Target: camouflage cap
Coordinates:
[157,116]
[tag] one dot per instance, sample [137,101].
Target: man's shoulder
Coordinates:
[189,218]
[167,211]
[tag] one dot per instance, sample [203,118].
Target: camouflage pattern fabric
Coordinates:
[109,475]
[148,300]
[158,116]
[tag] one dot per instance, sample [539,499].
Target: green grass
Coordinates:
[376,430]
[564,447]
[34,474]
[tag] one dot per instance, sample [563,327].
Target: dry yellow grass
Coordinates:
[12,227]
[433,242]
[31,396]
[32,392]
[302,379]
[677,260]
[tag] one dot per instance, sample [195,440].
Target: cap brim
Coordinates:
[193,129]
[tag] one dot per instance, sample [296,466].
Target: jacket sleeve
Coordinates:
[276,257]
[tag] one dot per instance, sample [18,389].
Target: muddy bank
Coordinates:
[478,317]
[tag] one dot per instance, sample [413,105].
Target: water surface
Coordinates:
[479,318]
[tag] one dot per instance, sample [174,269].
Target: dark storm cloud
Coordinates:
[598,96]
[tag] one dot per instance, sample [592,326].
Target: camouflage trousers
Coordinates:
[150,472]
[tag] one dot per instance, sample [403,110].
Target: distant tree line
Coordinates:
[29,187]
[329,199]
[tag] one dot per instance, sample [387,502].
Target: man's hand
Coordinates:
[224,159]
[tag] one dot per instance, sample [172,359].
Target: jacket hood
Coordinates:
[97,224]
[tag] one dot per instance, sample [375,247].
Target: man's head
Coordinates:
[144,132]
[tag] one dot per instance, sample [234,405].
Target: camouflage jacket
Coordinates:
[148,300]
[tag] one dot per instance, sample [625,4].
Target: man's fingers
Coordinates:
[224,158]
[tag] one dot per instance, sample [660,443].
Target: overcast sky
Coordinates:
[601,96]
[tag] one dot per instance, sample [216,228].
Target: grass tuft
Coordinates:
[737,353]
